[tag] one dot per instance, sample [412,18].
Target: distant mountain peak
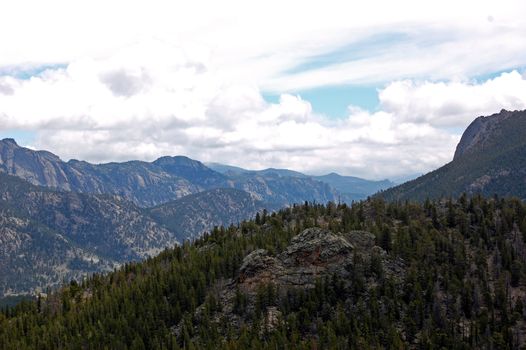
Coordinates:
[175,159]
[10,141]
[333,174]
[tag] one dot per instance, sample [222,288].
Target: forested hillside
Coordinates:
[48,235]
[376,275]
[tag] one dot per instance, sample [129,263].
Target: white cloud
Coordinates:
[168,109]
[453,104]
[254,43]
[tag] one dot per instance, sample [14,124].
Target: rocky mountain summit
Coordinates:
[312,254]
[490,159]
[480,132]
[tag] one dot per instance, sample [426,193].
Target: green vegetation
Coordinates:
[14,300]
[461,286]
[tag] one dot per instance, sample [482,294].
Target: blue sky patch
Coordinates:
[333,101]
[22,137]
[26,72]
[488,76]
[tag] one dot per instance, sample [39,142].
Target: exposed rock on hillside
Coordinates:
[314,255]
[479,132]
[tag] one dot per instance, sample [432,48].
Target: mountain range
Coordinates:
[148,184]
[349,188]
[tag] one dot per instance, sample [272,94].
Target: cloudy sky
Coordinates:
[377,89]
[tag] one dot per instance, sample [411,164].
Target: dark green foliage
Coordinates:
[461,286]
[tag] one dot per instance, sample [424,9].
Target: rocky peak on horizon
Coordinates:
[489,160]
[480,130]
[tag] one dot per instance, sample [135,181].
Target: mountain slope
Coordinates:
[489,159]
[192,215]
[48,235]
[280,191]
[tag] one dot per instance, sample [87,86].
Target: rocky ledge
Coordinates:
[312,256]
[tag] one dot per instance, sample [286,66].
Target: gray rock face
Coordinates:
[316,251]
[259,267]
[36,167]
[312,255]
[478,132]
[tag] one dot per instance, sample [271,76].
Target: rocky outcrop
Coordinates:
[313,255]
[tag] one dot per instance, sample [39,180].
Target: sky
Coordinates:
[377,89]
